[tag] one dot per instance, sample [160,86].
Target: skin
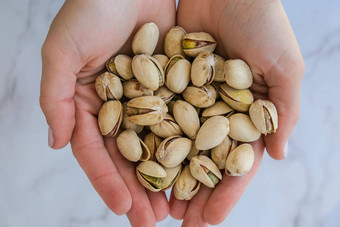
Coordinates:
[86,33]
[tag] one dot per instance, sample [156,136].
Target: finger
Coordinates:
[91,154]
[194,214]
[229,190]
[159,203]
[178,208]
[141,212]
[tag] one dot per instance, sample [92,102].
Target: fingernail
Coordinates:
[285,151]
[50,137]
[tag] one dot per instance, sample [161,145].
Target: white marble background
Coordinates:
[43,187]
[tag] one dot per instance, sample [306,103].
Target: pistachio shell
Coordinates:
[201,97]
[194,43]
[173,150]
[264,116]
[205,170]
[177,73]
[240,160]
[126,124]
[110,117]
[121,66]
[173,41]
[145,40]
[203,69]
[187,118]
[220,153]
[212,133]
[162,59]
[151,175]
[219,108]
[242,129]
[165,94]
[152,142]
[186,186]
[194,152]
[133,89]
[172,174]
[108,86]
[148,71]
[219,68]
[237,74]
[240,100]
[146,110]
[166,128]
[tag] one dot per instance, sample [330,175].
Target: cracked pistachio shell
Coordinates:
[165,94]
[220,153]
[110,117]
[151,175]
[194,152]
[166,128]
[196,42]
[239,100]
[242,128]
[240,160]
[212,133]
[237,74]
[133,89]
[219,68]
[203,69]
[162,59]
[177,74]
[172,174]
[132,147]
[186,185]
[146,110]
[264,116]
[187,118]
[145,40]
[205,170]
[173,150]
[152,142]
[201,97]
[148,71]
[121,66]
[126,124]
[173,41]
[108,86]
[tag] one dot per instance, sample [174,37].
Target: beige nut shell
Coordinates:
[237,74]
[199,36]
[240,160]
[110,117]
[203,69]
[150,168]
[172,174]
[177,75]
[239,100]
[242,128]
[145,40]
[173,41]
[187,118]
[186,186]
[201,97]
[263,114]
[108,86]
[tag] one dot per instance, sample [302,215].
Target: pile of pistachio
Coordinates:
[182,114]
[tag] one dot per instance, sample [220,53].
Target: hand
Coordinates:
[259,33]
[82,37]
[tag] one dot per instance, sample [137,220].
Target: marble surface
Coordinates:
[43,187]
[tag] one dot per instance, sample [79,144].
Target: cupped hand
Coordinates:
[83,35]
[258,32]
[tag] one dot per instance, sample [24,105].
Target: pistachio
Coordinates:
[121,66]
[220,153]
[203,69]
[205,170]
[212,133]
[242,129]
[237,74]
[186,185]
[172,174]
[108,86]
[173,41]
[132,147]
[162,59]
[165,94]
[151,175]
[187,118]
[166,128]
[152,142]
[264,116]
[219,68]
[148,71]
[146,110]
[126,124]
[145,40]
[173,150]
[194,152]
[177,73]
[240,160]
[201,97]
[194,43]
[240,100]
[110,117]
[133,89]
[218,109]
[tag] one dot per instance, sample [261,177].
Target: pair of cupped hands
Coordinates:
[85,33]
